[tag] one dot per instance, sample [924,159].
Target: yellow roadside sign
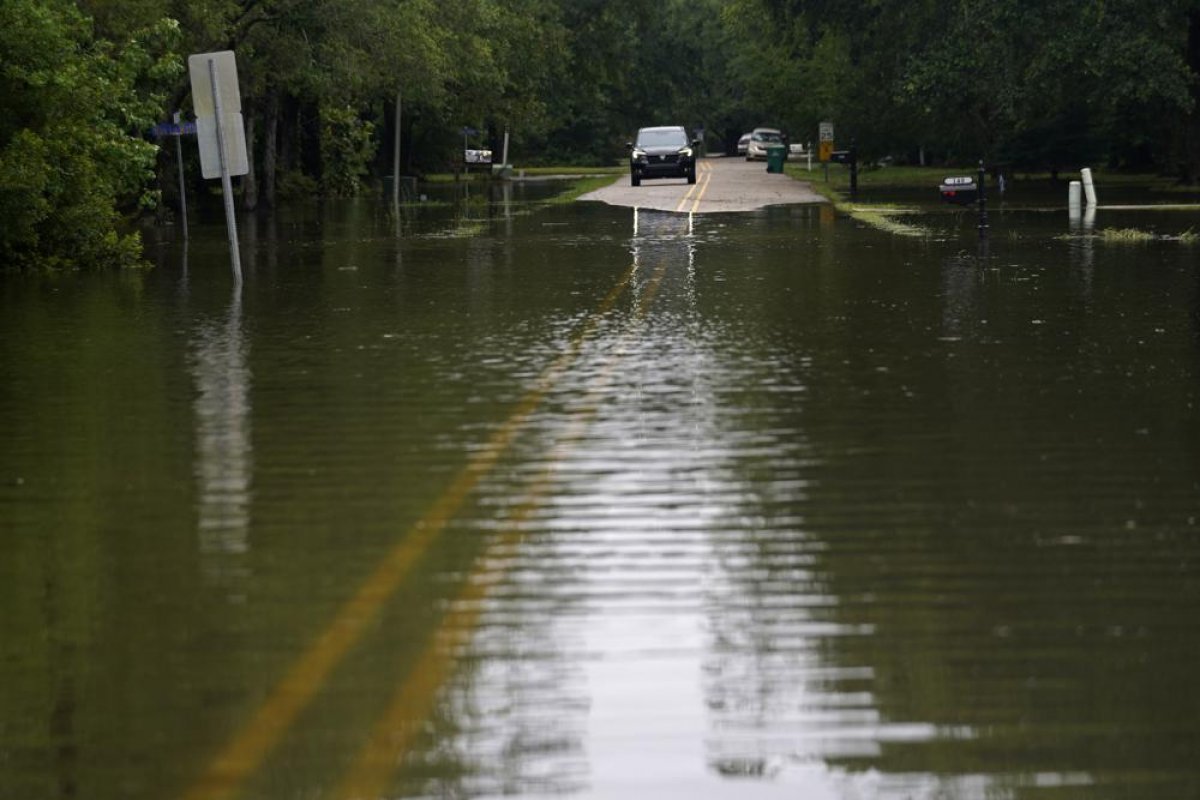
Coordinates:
[824,150]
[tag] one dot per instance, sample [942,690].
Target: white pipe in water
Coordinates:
[1089,188]
[1075,199]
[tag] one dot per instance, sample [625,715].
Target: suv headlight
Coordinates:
[638,155]
[686,152]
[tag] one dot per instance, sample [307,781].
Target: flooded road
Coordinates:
[526,500]
[722,184]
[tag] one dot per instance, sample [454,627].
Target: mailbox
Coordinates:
[842,156]
[960,191]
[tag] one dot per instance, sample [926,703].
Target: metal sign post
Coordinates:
[182,193]
[235,257]
[178,128]
[221,134]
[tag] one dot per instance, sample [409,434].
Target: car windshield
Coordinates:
[666,137]
[767,137]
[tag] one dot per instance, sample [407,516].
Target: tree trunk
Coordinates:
[270,140]
[290,119]
[250,180]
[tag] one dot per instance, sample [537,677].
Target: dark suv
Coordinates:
[662,153]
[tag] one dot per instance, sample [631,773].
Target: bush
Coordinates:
[71,110]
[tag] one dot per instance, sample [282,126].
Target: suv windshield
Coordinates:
[669,137]
[767,137]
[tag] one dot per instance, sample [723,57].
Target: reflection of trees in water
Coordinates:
[778,704]
[224,457]
[1016,546]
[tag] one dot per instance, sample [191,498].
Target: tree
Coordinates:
[73,108]
[1036,84]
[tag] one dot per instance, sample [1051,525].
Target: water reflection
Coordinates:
[224,452]
[1083,246]
[807,511]
[678,618]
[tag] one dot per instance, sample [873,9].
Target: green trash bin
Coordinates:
[776,155]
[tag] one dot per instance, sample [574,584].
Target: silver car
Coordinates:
[760,140]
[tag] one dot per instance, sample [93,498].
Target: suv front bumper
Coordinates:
[668,166]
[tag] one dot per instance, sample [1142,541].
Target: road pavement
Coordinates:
[722,184]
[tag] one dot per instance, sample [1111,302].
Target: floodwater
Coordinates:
[571,500]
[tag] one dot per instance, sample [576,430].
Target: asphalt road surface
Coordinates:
[722,184]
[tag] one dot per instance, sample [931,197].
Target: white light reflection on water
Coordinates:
[664,627]
[659,633]
[224,454]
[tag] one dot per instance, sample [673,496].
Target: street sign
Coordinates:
[220,132]
[205,97]
[174,129]
[227,83]
[236,158]
[825,131]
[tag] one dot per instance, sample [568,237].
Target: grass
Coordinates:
[837,188]
[1134,236]
[880,216]
[581,187]
[546,172]
[467,227]
[543,171]
[912,177]
[883,218]
[1125,236]
[879,178]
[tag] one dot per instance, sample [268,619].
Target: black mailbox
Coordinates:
[960,191]
[842,156]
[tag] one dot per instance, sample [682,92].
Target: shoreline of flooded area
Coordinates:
[503,498]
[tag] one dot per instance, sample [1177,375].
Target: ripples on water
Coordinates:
[809,511]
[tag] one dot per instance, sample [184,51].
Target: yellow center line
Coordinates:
[703,189]
[249,747]
[701,167]
[416,697]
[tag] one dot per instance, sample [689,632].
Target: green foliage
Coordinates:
[346,148]
[1050,84]
[1034,85]
[71,110]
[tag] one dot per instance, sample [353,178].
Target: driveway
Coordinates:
[722,184]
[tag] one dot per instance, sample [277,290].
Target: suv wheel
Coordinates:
[691,176]
[634,178]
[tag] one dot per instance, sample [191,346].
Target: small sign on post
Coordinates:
[477,156]
[825,137]
[220,131]
[177,128]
